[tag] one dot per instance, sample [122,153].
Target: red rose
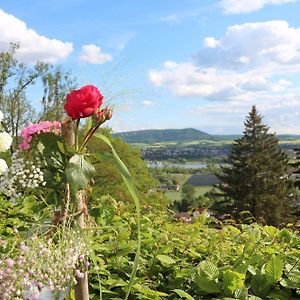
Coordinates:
[84,102]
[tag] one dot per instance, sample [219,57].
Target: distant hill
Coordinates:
[288,136]
[163,135]
[180,135]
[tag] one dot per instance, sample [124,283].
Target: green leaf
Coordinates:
[293,281]
[61,147]
[115,282]
[284,235]
[53,149]
[241,294]
[79,172]
[232,229]
[294,276]
[260,285]
[103,215]
[183,294]
[32,207]
[280,294]
[149,292]
[249,247]
[232,281]
[209,269]
[121,166]
[274,269]
[166,260]
[242,268]
[271,230]
[207,285]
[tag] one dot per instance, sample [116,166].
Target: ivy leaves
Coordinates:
[79,172]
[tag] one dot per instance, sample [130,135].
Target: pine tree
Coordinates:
[296,173]
[296,165]
[256,178]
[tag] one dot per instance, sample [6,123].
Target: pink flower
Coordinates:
[24,146]
[56,125]
[35,129]
[10,263]
[81,257]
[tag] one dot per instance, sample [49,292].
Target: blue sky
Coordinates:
[170,63]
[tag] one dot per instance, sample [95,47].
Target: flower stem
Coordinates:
[88,136]
[76,133]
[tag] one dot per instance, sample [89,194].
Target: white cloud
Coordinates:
[148,103]
[244,60]
[281,113]
[267,45]
[246,6]
[187,79]
[253,63]
[242,64]
[210,42]
[94,55]
[33,47]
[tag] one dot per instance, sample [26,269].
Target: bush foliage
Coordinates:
[194,260]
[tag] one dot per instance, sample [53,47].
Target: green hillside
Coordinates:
[185,136]
[164,135]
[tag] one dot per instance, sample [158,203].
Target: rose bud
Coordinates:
[107,112]
[99,117]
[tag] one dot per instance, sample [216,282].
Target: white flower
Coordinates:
[3,166]
[1,116]
[5,141]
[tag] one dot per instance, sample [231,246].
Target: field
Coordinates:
[200,190]
[202,183]
[217,142]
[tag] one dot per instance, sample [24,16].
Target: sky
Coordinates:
[170,63]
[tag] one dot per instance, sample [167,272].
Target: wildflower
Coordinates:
[3,166]
[10,263]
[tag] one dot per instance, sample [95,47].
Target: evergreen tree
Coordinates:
[256,178]
[296,166]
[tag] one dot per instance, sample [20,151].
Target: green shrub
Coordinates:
[194,261]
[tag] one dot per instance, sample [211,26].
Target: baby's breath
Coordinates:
[42,263]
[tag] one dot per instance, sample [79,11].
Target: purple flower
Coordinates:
[10,263]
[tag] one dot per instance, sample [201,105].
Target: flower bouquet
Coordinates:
[50,177]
